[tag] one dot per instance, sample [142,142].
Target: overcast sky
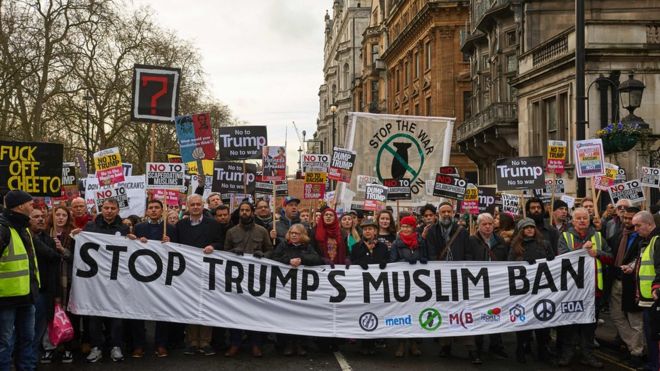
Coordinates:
[263,58]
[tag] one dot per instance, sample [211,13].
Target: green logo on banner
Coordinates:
[394,154]
[430,319]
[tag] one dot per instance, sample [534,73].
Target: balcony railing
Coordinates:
[551,50]
[496,113]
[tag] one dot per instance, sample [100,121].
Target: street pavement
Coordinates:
[347,358]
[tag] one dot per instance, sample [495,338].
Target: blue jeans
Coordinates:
[652,345]
[41,322]
[17,323]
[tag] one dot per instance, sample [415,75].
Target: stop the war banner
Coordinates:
[397,147]
[33,167]
[117,277]
[242,142]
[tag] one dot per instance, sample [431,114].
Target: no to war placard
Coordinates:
[33,167]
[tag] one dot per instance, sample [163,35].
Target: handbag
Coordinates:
[60,329]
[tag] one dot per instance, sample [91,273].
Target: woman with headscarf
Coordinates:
[328,239]
[408,247]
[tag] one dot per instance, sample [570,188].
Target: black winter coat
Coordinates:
[628,281]
[480,251]
[533,251]
[99,225]
[402,253]
[360,254]
[286,251]
[435,244]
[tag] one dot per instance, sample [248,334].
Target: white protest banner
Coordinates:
[165,175]
[315,163]
[570,201]
[396,146]
[631,190]
[510,203]
[120,278]
[108,166]
[650,177]
[589,157]
[375,196]
[363,180]
[135,192]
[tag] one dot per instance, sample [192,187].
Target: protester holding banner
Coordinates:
[151,229]
[202,232]
[108,222]
[386,228]
[624,311]
[328,240]
[559,217]
[647,272]
[408,247]
[221,215]
[535,211]
[429,217]
[446,240]
[530,245]
[49,256]
[79,210]
[296,250]
[18,293]
[350,234]
[583,236]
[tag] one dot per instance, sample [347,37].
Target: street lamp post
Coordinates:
[631,92]
[88,135]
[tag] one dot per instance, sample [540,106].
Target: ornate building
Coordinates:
[341,68]
[412,64]
[490,41]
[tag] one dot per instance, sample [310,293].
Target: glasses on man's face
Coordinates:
[294,233]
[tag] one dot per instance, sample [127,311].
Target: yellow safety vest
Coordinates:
[597,242]
[15,267]
[646,273]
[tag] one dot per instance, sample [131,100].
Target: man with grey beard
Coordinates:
[447,241]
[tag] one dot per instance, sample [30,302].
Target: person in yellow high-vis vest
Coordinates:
[19,283]
[582,235]
[647,269]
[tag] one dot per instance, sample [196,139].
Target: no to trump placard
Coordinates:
[228,177]
[33,167]
[556,156]
[520,173]
[242,142]
[109,169]
[116,277]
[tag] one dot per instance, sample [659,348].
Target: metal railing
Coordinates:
[493,114]
[551,50]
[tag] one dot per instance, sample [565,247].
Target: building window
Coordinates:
[484,62]
[407,72]
[416,65]
[511,38]
[428,106]
[549,121]
[374,91]
[427,55]
[511,63]
[466,57]
[397,79]
[416,109]
[374,53]
[467,109]
[345,77]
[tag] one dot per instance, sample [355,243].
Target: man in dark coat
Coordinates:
[535,210]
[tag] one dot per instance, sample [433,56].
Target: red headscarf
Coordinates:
[326,231]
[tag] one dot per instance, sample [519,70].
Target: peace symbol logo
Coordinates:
[544,310]
[368,321]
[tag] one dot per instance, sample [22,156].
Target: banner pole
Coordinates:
[397,209]
[593,193]
[201,175]
[552,197]
[165,211]
[152,144]
[245,183]
[274,206]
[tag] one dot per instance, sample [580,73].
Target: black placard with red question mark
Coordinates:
[155,93]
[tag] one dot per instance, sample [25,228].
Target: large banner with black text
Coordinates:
[117,277]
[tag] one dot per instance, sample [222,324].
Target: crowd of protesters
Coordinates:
[36,249]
